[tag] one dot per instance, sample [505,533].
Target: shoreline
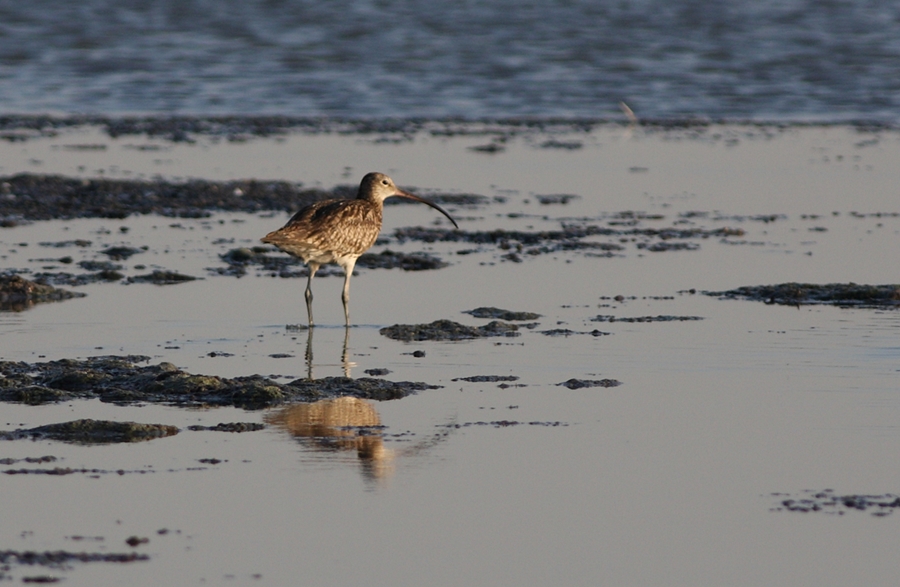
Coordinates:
[181,127]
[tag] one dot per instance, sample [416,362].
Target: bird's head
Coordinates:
[378,187]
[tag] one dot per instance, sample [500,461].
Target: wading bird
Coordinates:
[339,231]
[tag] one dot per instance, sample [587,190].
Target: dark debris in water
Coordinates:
[506,424]
[581,383]
[498,314]
[161,278]
[568,332]
[93,432]
[121,380]
[388,259]
[828,502]
[448,330]
[487,378]
[61,559]
[661,318]
[230,427]
[18,294]
[121,253]
[519,243]
[64,278]
[836,294]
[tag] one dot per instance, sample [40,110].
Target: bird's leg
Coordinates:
[345,355]
[313,267]
[345,296]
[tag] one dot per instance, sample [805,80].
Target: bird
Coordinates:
[339,231]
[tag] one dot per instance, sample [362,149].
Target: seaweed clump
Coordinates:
[121,380]
[18,294]
[448,330]
[93,432]
[836,294]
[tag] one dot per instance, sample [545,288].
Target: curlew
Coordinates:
[339,231]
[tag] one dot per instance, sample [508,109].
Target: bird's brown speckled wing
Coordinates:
[338,227]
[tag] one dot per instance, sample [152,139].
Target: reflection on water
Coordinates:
[345,357]
[347,424]
[341,424]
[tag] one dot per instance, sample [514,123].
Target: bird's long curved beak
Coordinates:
[410,196]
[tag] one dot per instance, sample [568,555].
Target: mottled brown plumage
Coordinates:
[339,231]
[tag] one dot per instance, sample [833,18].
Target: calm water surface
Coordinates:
[795,59]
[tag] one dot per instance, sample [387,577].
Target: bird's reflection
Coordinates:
[340,424]
[345,424]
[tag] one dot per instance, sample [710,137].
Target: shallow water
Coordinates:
[793,59]
[666,479]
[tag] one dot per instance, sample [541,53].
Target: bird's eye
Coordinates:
[384,182]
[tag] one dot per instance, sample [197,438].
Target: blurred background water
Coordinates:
[793,60]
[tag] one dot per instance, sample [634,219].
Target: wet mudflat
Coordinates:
[546,393]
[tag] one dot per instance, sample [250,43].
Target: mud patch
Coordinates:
[230,427]
[18,294]
[566,332]
[835,294]
[498,314]
[581,383]
[30,197]
[60,558]
[828,502]
[448,330]
[388,259]
[93,432]
[632,319]
[161,278]
[506,424]
[487,378]
[120,380]
[569,238]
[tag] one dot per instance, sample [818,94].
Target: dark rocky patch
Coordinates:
[567,332]
[667,246]
[506,424]
[836,294]
[828,502]
[93,432]
[567,145]
[44,197]
[557,198]
[487,378]
[518,242]
[498,314]
[161,278]
[99,266]
[661,318]
[61,558]
[447,330]
[388,259]
[31,460]
[120,380]
[239,259]
[18,294]
[380,372]
[63,278]
[61,244]
[580,383]
[230,427]
[121,253]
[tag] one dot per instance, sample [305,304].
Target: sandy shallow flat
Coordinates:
[678,476]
